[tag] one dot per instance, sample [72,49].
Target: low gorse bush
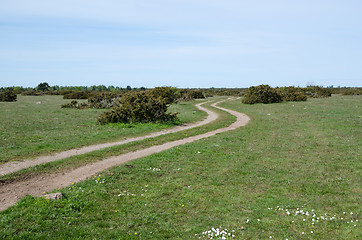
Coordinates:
[137,107]
[317,92]
[262,94]
[8,96]
[104,100]
[292,94]
[168,94]
[352,91]
[196,94]
[76,95]
[32,93]
[189,95]
[267,94]
[75,104]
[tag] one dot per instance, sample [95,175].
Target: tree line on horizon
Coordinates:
[45,87]
[85,92]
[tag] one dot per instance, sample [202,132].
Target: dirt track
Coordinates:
[18,165]
[11,193]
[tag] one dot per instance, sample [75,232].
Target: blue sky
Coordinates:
[181,43]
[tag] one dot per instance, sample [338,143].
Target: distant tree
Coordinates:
[92,88]
[43,86]
[111,88]
[56,87]
[129,88]
[102,88]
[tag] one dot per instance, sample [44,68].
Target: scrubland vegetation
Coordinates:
[7,96]
[84,92]
[37,125]
[292,173]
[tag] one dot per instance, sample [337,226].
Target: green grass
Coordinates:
[29,129]
[302,155]
[65,164]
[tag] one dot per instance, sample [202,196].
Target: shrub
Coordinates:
[323,92]
[196,94]
[261,94]
[54,92]
[64,92]
[138,107]
[188,95]
[104,100]
[31,93]
[75,104]
[292,94]
[76,95]
[317,92]
[8,96]
[168,94]
[224,92]
[352,91]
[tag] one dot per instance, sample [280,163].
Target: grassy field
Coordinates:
[69,163]
[35,126]
[293,173]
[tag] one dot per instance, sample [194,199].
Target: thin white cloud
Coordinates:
[175,12]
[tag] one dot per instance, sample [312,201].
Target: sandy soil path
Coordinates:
[11,193]
[18,165]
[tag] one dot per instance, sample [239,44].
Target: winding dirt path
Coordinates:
[15,166]
[11,193]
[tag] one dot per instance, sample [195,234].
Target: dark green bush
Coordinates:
[64,92]
[323,92]
[72,104]
[317,92]
[262,94]
[352,91]
[8,96]
[188,95]
[104,99]
[196,94]
[223,92]
[292,94]
[168,94]
[138,107]
[31,93]
[76,95]
[75,104]
[54,92]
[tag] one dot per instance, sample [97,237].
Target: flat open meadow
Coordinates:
[37,125]
[294,172]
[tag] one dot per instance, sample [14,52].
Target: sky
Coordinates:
[181,43]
